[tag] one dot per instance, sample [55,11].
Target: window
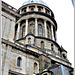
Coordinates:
[42,44]
[11,74]
[31,29]
[23,10]
[19,61]
[23,31]
[39,9]
[35,67]
[45,74]
[64,56]
[46,65]
[48,32]
[40,30]
[29,40]
[52,47]
[32,9]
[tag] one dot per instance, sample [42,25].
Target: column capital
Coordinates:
[45,20]
[18,23]
[26,19]
[35,19]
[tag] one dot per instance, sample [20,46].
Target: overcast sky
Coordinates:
[64,16]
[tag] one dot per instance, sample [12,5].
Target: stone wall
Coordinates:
[9,60]
[44,63]
[8,25]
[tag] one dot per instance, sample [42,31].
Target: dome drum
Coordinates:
[35,8]
[34,25]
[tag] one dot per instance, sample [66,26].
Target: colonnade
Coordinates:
[35,9]
[36,29]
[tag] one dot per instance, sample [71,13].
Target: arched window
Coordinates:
[40,30]
[19,61]
[29,40]
[35,67]
[48,34]
[42,44]
[31,29]
[23,31]
[52,47]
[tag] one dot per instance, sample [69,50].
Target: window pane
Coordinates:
[40,30]
[42,44]
[31,28]
[18,61]
[23,31]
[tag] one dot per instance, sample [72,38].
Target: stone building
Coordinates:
[29,42]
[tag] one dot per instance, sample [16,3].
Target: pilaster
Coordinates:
[7,61]
[18,30]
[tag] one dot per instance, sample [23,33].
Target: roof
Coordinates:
[34,2]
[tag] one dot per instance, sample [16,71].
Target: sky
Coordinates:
[64,16]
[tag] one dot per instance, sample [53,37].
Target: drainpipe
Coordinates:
[62,70]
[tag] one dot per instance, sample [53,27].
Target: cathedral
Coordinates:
[29,41]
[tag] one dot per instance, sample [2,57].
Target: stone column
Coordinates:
[7,61]
[50,13]
[45,29]
[26,30]
[36,9]
[44,10]
[27,9]
[18,30]
[52,32]
[36,28]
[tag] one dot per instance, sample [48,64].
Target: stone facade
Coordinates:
[29,40]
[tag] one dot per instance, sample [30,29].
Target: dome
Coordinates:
[34,1]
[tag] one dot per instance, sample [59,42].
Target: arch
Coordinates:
[19,61]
